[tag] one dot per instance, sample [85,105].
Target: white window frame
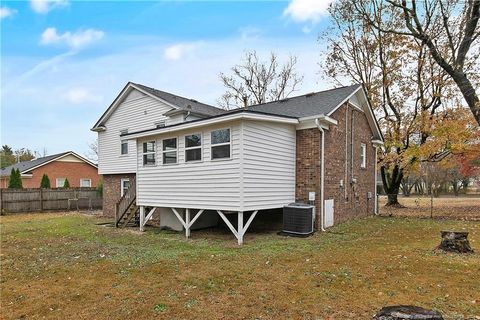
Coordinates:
[121,147]
[363,155]
[221,144]
[163,151]
[63,184]
[192,148]
[122,181]
[89,182]
[150,152]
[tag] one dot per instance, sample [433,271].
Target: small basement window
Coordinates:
[193,147]
[220,141]
[85,183]
[124,185]
[363,155]
[169,150]
[149,153]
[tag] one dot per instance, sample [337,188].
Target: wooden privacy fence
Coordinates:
[28,200]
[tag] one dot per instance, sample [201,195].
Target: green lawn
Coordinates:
[65,266]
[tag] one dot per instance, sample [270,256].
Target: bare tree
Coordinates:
[403,84]
[255,81]
[92,153]
[448,28]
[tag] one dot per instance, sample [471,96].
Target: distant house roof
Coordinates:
[26,166]
[311,104]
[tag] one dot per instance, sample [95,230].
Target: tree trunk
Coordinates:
[469,94]
[391,184]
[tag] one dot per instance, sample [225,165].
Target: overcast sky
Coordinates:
[63,62]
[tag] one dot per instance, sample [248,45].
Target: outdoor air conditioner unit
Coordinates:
[298,218]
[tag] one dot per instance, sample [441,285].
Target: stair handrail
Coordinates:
[121,207]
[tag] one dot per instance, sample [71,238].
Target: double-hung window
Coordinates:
[193,147]
[363,155]
[169,150]
[220,142]
[149,153]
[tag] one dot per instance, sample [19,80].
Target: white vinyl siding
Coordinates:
[199,184]
[137,112]
[269,151]
[264,179]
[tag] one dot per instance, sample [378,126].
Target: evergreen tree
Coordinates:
[15,181]
[66,184]
[45,183]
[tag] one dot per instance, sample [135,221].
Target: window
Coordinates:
[160,124]
[123,143]
[220,141]
[60,182]
[85,183]
[149,153]
[193,147]
[124,147]
[169,150]
[363,155]
[124,185]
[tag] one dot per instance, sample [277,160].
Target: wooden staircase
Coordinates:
[126,212]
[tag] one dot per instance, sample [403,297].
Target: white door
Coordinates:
[328,213]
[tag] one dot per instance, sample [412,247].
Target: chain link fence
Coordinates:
[462,207]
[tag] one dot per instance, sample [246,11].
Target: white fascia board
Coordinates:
[377,143]
[206,122]
[321,117]
[99,127]
[344,100]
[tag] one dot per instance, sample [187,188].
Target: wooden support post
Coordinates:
[142,218]
[187,222]
[179,217]
[240,228]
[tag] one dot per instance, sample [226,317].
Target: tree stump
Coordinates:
[407,312]
[453,241]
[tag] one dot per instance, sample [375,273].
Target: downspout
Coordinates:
[375,199]
[322,179]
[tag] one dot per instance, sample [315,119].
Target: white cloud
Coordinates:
[6,12]
[74,40]
[179,50]
[250,33]
[81,95]
[44,6]
[307,10]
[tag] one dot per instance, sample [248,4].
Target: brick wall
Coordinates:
[350,201]
[73,171]
[112,191]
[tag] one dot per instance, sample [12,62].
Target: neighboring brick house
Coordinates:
[79,171]
[185,156]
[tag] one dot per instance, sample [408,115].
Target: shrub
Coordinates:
[66,184]
[100,187]
[15,181]
[45,183]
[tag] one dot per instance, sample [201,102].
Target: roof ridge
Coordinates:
[303,95]
[175,95]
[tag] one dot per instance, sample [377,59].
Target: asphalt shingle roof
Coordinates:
[183,103]
[27,165]
[311,104]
